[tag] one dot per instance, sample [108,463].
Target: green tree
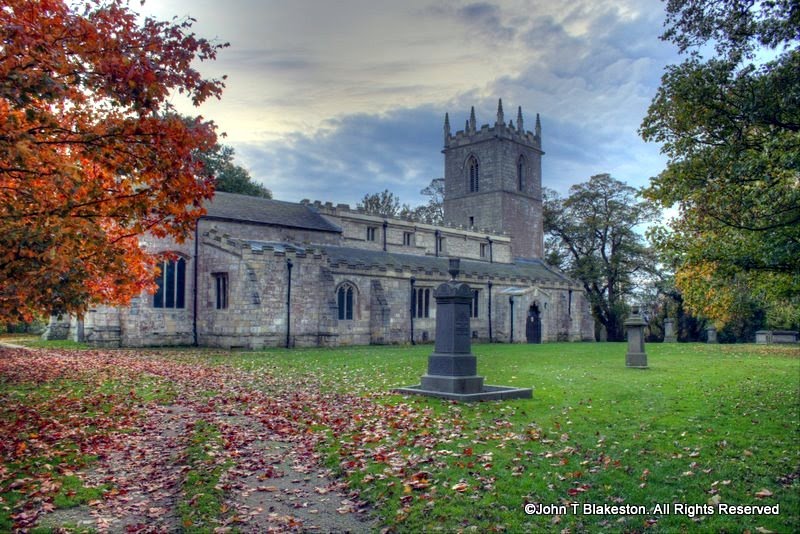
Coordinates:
[385,204]
[433,211]
[730,127]
[230,177]
[592,237]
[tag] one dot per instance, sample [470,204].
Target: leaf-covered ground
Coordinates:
[307,440]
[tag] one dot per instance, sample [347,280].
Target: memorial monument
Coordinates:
[669,331]
[711,335]
[636,356]
[452,368]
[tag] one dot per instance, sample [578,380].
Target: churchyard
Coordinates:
[302,439]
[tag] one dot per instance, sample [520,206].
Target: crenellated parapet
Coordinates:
[500,129]
[340,209]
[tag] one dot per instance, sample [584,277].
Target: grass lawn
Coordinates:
[705,428]
[705,424]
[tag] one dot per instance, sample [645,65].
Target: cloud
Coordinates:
[348,98]
[352,156]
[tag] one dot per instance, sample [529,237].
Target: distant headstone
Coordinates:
[776,336]
[452,368]
[636,357]
[669,331]
[711,335]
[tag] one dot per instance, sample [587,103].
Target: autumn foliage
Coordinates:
[91,153]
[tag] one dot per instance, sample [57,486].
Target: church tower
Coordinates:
[493,180]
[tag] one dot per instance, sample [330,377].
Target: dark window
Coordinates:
[440,244]
[473,174]
[420,306]
[171,282]
[407,238]
[474,307]
[370,233]
[484,246]
[344,300]
[521,173]
[221,290]
[471,222]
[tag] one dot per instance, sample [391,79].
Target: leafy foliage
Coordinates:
[730,127]
[592,236]
[230,177]
[91,153]
[433,211]
[387,204]
[384,203]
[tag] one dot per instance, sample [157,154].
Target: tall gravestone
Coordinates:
[452,368]
[636,357]
[669,331]
[711,335]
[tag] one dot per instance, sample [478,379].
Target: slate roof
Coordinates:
[233,207]
[523,269]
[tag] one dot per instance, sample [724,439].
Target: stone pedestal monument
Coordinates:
[636,356]
[711,334]
[669,331]
[452,368]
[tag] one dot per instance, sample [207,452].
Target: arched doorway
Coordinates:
[533,327]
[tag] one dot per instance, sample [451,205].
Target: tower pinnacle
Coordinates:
[500,118]
[520,127]
[472,120]
[446,128]
[538,131]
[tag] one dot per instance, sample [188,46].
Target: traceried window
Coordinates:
[371,230]
[473,312]
[171,282]
[421,303]
[408,239]
[221,290]
[345,299]
[474,174]
[521,173]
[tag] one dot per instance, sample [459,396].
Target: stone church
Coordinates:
[263,273]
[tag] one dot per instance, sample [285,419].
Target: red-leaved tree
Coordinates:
[92,155]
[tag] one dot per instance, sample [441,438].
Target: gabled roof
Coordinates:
[256,210]
[523,269]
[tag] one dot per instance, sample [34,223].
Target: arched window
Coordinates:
[521,173]
[345,298]
[472,165]
[171,282]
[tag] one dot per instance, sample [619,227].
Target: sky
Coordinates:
[334,99]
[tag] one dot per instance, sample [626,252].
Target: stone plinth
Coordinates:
[452,368]
[711,335]
[669,331]
[776,336]
[57,328]
[636,357]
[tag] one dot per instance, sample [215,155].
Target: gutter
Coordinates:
[194,285]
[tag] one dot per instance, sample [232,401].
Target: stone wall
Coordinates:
[141,324]
[461,241]
[258,285]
